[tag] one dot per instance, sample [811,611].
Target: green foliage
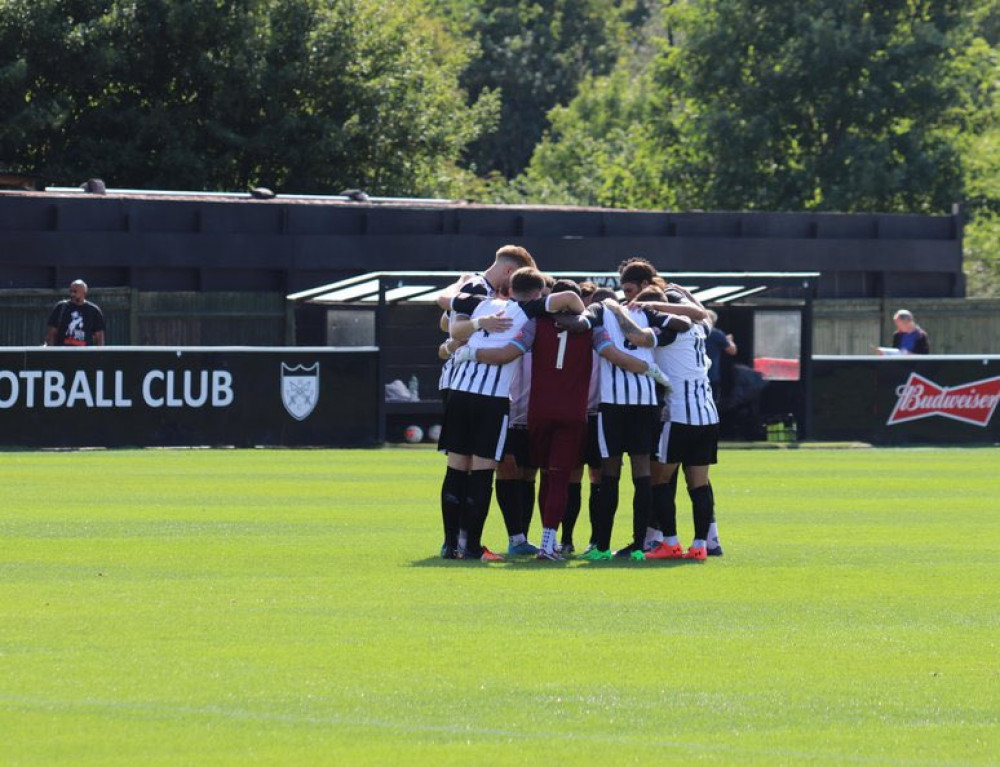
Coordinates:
[783,105]
[287,607]
[536,53]
[982,255]
[974,75]
[602,149]
[830,104]
[304,95]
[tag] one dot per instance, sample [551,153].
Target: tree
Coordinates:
[974,76]
[602,149]
[303,95]
[778,105]
[827,104]
[536,53]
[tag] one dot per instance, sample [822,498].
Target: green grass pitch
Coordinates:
[286,607]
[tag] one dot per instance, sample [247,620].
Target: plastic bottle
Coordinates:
[414,387]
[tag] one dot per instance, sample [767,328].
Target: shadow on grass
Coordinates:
[524,563]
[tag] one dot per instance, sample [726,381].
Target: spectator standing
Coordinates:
[909,337]
[718,341]
[75,321]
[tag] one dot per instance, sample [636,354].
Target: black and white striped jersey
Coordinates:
[478,285]
[620,387]
[520,390]
[495,380]
[686,365]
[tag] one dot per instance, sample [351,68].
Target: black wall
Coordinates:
[136,397]
[168,244]
[866,399]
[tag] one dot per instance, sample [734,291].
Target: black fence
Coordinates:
[137,318]
[906,400]
[112,397]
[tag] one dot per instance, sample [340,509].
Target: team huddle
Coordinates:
[545,378]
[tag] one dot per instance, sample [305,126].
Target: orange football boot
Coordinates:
[698,554]
[489,556]
[666,551]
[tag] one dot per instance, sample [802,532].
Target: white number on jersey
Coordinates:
[561,354]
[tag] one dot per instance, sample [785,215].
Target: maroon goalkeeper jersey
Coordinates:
[560,373]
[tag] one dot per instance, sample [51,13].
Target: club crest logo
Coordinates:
[299,389]
[972,403]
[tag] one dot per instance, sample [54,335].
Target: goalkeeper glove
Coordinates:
[464,354]
[658,376]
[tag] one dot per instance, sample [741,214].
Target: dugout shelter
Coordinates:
[768,313]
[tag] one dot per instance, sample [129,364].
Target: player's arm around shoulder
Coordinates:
[694,312]
[498,356]
[572,323]
[569,314]
[564,302]
[445,296]
[678,323]
[689,306]
[464,321]
[463,326]
[621,359]
[641,337]
[448,348]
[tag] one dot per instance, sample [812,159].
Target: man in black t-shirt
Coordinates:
[76,321]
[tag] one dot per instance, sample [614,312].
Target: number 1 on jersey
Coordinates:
[561,354]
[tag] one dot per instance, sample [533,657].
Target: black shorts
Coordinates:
[627,429]
[689,445]
[475,425]
[593,454]
[658,432]
[518,445]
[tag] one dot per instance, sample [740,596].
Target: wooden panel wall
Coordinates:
[954,326]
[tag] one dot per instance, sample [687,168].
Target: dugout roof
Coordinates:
[424,287]
[402,353]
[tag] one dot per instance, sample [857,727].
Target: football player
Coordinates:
[690,437]
[476,415]
[628,418]
[454,489]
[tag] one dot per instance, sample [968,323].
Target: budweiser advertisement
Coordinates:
[930,400]
[971,403]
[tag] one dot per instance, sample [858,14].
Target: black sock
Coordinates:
[659,494]
[668,512]
[453,492]
[711,492]
[527,504]
[607,505]
[480,495]
[701,508]
[641,502]
[595,492]
[509,500]
[573,503]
